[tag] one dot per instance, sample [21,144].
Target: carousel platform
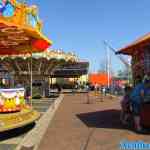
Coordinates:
[14,120]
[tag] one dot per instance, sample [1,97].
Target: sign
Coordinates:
[11,99]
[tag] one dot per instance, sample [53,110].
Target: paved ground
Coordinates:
[81,126]
[9,140]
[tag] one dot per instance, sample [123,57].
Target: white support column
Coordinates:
[31,79]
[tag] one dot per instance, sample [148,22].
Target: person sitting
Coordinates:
[137,97]
[125,106]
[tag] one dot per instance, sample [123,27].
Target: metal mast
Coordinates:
[108,65]
[121,58]
[124,61]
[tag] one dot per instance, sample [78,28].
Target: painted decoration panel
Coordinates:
[6,8]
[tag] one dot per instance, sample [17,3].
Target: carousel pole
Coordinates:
[31,78]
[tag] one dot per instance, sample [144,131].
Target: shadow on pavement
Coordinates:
[106,119]
[16,132]
[102,119]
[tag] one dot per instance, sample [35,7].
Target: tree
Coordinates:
[125,74]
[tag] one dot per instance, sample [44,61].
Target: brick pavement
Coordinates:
[81,126]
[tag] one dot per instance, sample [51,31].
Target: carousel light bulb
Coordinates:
[1,102]
[17,100]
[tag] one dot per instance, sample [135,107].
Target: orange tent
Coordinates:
[99,78]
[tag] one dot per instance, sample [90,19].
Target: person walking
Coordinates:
[103,92]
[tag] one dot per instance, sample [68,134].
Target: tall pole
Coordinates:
[108,66]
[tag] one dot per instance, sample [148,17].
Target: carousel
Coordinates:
[140,54]
[20,34]
[18,67]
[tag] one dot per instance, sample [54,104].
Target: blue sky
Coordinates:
[82,25]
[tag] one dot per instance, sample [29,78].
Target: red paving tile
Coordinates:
[81,126]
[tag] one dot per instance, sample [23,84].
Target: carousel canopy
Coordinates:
[138,44]
[42,63]
[20,29]
[48,54]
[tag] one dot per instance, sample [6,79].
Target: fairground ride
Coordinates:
[20,33]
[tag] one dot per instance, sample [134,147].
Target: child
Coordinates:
[125,105]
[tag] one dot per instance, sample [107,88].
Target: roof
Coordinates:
[73,69]
[140,42]
[21,31]
[47,54]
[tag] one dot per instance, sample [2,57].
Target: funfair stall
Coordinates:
[140,53]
